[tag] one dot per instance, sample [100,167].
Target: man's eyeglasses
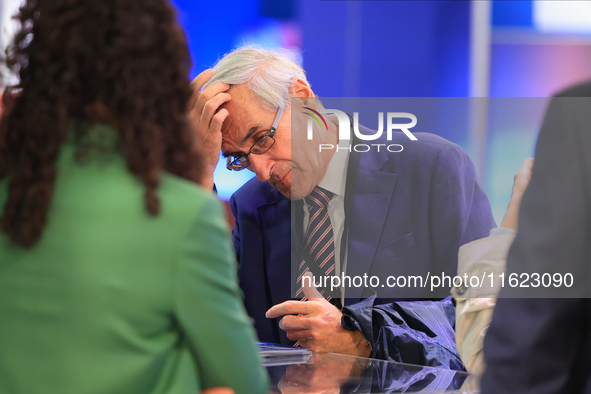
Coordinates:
[262,145]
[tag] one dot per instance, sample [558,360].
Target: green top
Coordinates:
[113,300]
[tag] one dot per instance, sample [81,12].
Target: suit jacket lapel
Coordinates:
[372,198]
[276,230]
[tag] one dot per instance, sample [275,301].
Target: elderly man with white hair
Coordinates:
[400,213]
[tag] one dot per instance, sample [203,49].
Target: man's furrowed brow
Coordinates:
[251,131]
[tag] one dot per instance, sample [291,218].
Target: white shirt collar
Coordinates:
[335,178]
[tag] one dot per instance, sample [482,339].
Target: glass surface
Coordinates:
[336,373]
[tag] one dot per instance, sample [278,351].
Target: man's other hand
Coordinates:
[207,119]
[316,324]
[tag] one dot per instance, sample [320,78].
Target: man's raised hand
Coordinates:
[207,119]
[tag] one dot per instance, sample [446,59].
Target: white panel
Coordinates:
[8,8]
[572,16]
[480,39]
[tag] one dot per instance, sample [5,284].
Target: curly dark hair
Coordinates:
[123,62]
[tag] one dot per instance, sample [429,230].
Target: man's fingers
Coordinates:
[212,105]
[217,121]
[197,84]
[209,93]
[309,289]
[201,79]
[298,335]
[288,308]
[292,322]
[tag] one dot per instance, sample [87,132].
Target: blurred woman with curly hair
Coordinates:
[116,271]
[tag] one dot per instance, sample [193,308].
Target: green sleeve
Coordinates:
[210,310]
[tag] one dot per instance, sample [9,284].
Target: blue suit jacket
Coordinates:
[411,211]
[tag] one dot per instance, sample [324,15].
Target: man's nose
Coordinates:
[261,166]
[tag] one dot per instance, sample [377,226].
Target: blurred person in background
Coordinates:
[475,305]
[116,270]
[541,344]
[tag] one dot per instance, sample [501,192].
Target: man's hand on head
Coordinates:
[207,120]
[316,324]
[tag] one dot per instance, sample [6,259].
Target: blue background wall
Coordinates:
[390,48]
[349,48]
[401,49]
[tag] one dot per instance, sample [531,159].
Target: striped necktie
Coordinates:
[319,237]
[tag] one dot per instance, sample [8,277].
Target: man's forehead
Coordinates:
[242,120]
[244,111]
[238,115]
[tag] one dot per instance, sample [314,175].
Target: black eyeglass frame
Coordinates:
[239,163]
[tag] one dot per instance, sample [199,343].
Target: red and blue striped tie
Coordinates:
[319,237]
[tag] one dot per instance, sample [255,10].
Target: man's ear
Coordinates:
[300,88]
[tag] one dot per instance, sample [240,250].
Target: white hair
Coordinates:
[267,74]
